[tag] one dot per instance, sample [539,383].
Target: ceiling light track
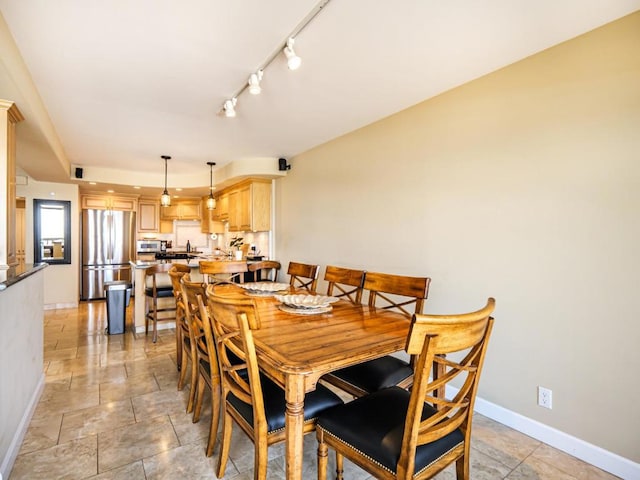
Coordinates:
[286,48]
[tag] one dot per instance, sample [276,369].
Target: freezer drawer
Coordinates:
[94,277]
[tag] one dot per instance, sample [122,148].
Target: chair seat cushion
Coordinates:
[374,425]
[160,292]
[377,374]
[274,404]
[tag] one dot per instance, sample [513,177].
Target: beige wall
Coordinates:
[61,282]
[523,185]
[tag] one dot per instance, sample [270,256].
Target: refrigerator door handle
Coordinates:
[110,236]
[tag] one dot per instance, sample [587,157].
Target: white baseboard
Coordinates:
[56,306]
[21,431]
[599,457]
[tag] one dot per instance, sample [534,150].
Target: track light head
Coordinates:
[254,82]
[293,60]
[230,107]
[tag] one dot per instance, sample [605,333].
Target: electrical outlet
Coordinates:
[545,398]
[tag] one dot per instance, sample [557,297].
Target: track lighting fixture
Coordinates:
[211,202]
[230,107]
[165,198]
[293,60]
[254,82]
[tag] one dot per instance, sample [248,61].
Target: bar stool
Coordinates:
[158,286]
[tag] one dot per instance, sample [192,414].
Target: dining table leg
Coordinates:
[294,425]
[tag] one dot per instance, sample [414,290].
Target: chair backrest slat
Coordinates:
[223,271]
[345,282]
[265,270]
[303,276]
[412,290]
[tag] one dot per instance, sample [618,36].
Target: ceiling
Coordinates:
[112,86]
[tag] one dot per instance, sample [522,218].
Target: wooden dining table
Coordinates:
[295,350]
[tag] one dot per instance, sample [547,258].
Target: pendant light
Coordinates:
[165,199]
[211,202]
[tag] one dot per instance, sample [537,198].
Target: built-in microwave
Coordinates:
[144,246]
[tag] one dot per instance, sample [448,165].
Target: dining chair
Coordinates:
[405,295]
[252,400]
[399,434]
[266,268]
[190,336]
[206,364]
[303,276]
[344,283]
[175,274]
[158,286]
[223,271]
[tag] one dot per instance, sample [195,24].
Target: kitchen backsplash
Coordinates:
[184,230]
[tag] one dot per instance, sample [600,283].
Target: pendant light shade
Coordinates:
[165,198]
[211,202]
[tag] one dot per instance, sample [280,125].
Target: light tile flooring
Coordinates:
[110,410]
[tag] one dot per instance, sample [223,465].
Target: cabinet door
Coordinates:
[244,208]
[123,203]
[221,212]
[189,210]
[261,206]
[170,213]
[234,211]
[94,202]
[148,216]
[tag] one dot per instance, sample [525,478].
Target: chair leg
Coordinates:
[146,316]
[322,456]
[199,397]
[155,320]
[178,343]
[183,371]
[215,418]
[260,461]
[462,466]
[339,466]
[194,382]
[224,446]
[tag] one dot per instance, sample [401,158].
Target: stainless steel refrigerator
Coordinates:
[108,245]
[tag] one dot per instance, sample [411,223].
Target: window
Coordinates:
[51,231]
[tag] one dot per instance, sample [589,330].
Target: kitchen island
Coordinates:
[139,286]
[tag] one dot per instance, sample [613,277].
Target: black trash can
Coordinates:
[118,295]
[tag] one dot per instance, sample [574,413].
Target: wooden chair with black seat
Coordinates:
[206,364]
[223,271]
[250,399]
[399,434]
[303,276]
[387,292]
[158,287]
[345,283]
[265,271]
[189,337]
[176,272]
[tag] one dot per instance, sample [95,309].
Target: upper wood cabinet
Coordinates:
[250,206]
[208,223]
[187,209]
[9,117]
[148,215]
[221,212]
[107,202]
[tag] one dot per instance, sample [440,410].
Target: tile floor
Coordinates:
[110,410]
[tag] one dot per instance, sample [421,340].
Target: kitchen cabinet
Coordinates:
[9,117]
[250,206]
[208,224]
[148,215]
[182,210]
[221,212]
[106,202]
[20,233]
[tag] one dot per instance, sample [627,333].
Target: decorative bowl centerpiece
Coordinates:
[301,301]
[264,288]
